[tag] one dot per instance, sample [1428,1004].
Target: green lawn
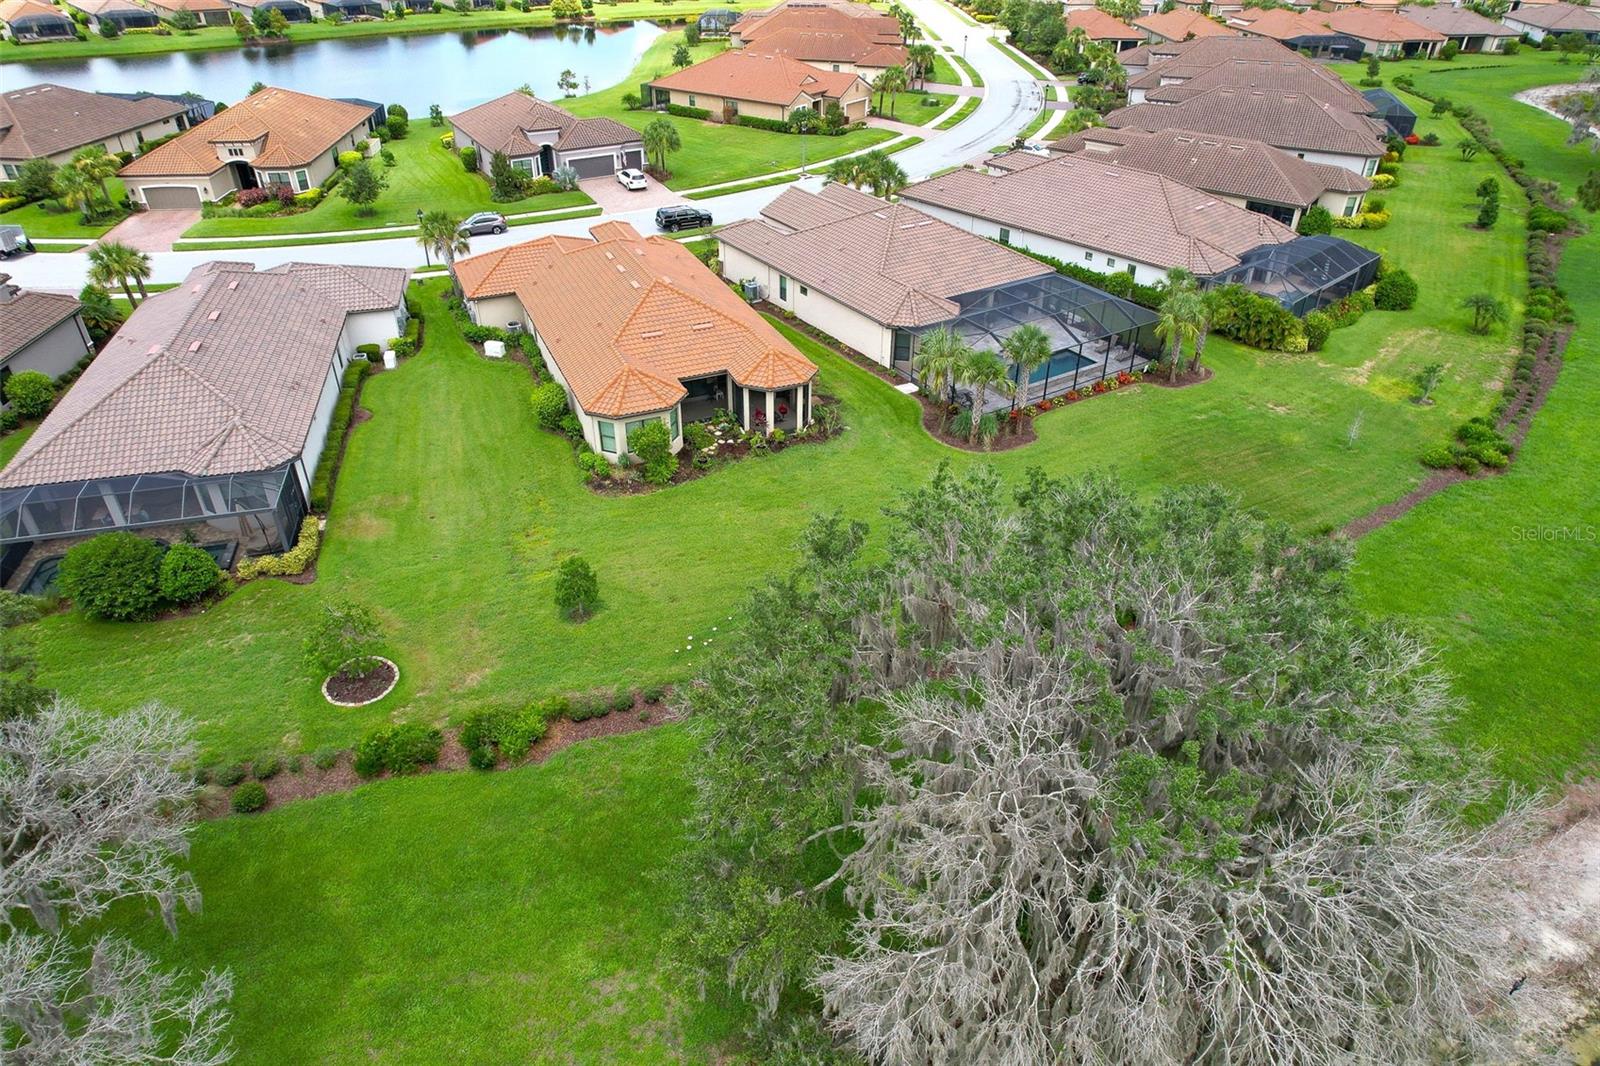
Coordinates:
[48,218]
[911,106]
[134,44]
[943,72]
[713,153]
[425,176]
[467,918]
[12,442]
[1504,573]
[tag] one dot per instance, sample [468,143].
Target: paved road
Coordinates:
[1011,100]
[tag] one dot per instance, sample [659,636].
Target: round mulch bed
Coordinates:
[342,690]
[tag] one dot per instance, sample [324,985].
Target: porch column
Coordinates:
[727,391]
[802,406]
[746,422]
[769,411]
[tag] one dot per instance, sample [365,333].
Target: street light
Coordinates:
[426,258]
[963,46]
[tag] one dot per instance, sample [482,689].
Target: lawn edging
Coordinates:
[727,190]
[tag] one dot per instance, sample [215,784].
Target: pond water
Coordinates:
[453,70]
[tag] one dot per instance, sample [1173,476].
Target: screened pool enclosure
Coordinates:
[1093,334]
[259,512]
[1304,274]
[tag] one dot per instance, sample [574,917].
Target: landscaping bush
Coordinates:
[343,410]
[550,405]
[1396,291]
[292,562]
[187,573]
[469,159]
[521,733]
[266,767]
[1547,219]
[587,706]
[231,775]
[652,443]
[622,700]
[18,610]
[350,158]
[577,589]
[30,393]
[595,466]
[9,420]
[249,798]
[1316,221]
[688,112]
[1252,319]
[325,758]
[114,576]
[481,758]
[1439,457]
[1318,325]
[399,749]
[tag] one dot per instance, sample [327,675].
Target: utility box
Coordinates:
[494,349]
[389,361]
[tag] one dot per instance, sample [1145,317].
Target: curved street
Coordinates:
[1011,100]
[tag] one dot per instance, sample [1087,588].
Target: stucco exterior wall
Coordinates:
[717,105]
[498,311]
[1092,258]
[55,352]
[375,327]
[317,435]
[127,141]
[214,187]
[851,327]
[1335,202]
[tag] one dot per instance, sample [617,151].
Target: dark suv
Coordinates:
[670,219]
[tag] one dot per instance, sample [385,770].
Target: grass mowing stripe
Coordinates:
[708,194]
[962,115]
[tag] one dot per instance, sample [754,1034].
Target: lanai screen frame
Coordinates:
[1309,272]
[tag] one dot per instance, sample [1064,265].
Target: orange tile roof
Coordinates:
[1182,25]
[770,79]
[649,315]
[296,128]
[1101,26]
[1370,25]
[824,33]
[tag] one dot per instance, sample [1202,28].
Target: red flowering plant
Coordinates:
[1100,386]
[1072,396]
[1124,378]
[1045,405]
[1412,138]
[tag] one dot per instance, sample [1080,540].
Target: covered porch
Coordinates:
[788,409]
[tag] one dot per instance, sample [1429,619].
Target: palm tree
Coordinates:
[660,138]
[891,81]
[1176,324]
[1179,279]
[75,189]
[937,360]
[884,175]
[847,170]
[1208,304]
[919,61]
[983,370]
[98,165]
[1029,348]
[1486,311]
[440,231]
[112,262]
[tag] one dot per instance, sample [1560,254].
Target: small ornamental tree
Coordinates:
[187,573]
[30,392]
[113,576]
[435,115]
[185,21]
[660,139]
[652,444]
[1395,291]
[550,405]
[1317,220]
[1488,213]
[399,122]
[343,640]
[680,56]
[506,182]
[1427,379]
[577,589]
[1487,311]
[362,185]
[36,179]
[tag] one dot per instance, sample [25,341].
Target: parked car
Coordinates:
[632,179]
[484,222]
[670,219]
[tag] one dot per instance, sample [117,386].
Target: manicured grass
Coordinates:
[972,71]
[12,442]
[712,152]
[910,106]
[961,115]
[472,918]
[450,22]
[1033,69]
[397,233]
[48,218]
[425,176]
[709,194]
[1504,573]
[943,73]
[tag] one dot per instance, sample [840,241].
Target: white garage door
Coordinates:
[171,197]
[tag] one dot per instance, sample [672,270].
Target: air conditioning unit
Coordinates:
[513,327]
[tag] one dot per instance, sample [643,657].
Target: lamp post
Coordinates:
[963,46]
[426,258]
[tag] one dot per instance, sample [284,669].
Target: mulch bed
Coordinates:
[365,689]
[1185,378]
[310,781]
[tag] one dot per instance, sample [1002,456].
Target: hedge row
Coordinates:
[343,409]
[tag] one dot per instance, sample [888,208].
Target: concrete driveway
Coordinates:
[614,199]
[152,231]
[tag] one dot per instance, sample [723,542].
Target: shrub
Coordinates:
[522,732]
[1439,457]
[266,767]
[114,575]
[1317,220]
[350,158]
[1547,219]
[1318,325]
[469,159]
[696,437]
[595,467]
[550,404]
[482,758]
[570,427]
[622,700]
[325,758]
[1252,319]
[344,638]
[187,573]
[1384,181]
[249,798]
[1395,291]
[9,420]
[688,112]
[231,775]
[30,392]
[577,589]
[399,749]
[310,198]
[18,610]
[652,443]
[589,705]
[294,561]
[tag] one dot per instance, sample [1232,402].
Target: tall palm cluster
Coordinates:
[873,170]
[946,363]
[88,173]
[114,263]
[1186,316]
[888,83]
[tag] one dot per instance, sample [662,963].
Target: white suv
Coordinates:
[632,179]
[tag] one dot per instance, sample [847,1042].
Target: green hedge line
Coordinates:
[343,409]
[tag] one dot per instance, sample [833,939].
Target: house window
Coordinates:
[1371,168]
[836,68]
[302,180]
[1111,264]
[636,425]
[672,422]
[525,164]
[733,107]
[1005,235]
[277,177]
[804,291]
[783,287]
[236,152]
[1088,257]
[1351,203]
[608,436]
[11,171]
[691,102]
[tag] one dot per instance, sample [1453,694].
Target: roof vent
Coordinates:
[700,326]
[610,256]
[195,346]
[621,269]
[635,284]
[234,284]
[213,316]
[651,334]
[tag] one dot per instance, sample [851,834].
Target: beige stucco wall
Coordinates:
[844,324]
[718,104]
[215,187]
[1335,202]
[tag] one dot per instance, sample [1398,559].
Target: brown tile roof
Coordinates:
[1456,21]
[27,314]
[794,211]
[771,79]
[1291,121]
[893,263]
[1128,213]
[1281,24]
[294,129]
[221,375]
[197,6]
[1227,166]
[1178,25]
[626,317]
[1371,25]
[827,46]
[1558,17]
[1100,26]
[1294,75]
[824,33]
[1185,59]
[45,119]
[504,123]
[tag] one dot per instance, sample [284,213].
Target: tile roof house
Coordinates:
[208,12]
[1539,21]
[1289,73]
[1102,215]
[1294,122]
[52,122]
[876,276]
[1107,29]
[1180,25]
[41,331]
[292,10]
[638,330]
[207,410]
[1303,31]
[1469,30]
[272,137]
[753,84]
[538,137]
[838,37]
[25,21]
[119,14]
[1386,33]
[1244,172]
